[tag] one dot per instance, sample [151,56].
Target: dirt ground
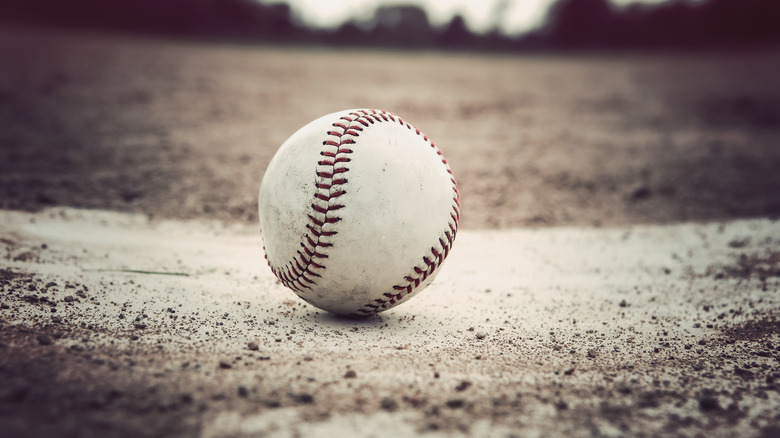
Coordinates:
[617,272]
[185,131]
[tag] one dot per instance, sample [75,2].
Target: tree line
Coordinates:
[569,25]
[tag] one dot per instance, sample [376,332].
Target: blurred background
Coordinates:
[551,112]
[519,25]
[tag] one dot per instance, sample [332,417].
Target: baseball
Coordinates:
[358,210]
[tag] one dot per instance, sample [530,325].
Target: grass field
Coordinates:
[616,273]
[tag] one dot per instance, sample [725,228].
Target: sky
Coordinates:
[519,16]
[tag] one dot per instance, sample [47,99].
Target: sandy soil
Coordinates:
[617,272]
[115,325]
[186,130]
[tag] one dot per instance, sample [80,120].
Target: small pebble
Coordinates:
[455,403]
[389,404]
[304,398]
[708,404]
[462,386]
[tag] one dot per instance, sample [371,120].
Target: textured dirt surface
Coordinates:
[114,325]
[186,130]
[617,272]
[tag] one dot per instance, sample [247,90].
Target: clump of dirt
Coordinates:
[764,266]
[754,330]
[7,275]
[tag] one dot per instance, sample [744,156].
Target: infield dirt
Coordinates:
[617,270]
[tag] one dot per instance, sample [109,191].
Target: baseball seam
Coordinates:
[301,273]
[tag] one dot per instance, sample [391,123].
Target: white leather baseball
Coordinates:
[358,211]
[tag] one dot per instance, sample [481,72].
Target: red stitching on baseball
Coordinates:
[316,221]
[330,174]
[328,197]
[319,209]
[438,256]
[300,271]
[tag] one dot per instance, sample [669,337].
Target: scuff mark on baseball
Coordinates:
[358,211]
